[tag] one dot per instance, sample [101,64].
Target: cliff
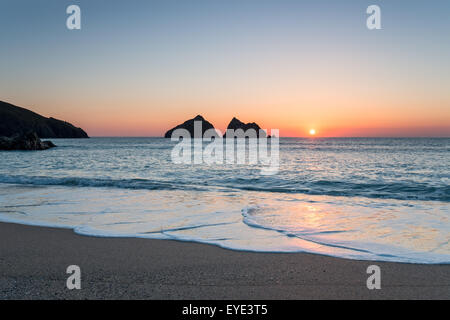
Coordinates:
[19,121]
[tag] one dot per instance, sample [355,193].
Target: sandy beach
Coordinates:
[34,261]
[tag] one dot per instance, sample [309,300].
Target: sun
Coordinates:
[312,132]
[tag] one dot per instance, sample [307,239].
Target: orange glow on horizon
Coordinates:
[147,118]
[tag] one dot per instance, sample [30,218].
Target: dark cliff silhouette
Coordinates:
[189,126]
[19,121]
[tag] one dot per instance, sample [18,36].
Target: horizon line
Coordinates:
[305,137]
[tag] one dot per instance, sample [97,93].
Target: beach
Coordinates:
[34,261]
[224,150]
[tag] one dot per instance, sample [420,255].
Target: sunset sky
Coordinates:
[137,68]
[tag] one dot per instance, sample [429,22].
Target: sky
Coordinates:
[139,67]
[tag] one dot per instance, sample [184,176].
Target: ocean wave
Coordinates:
[347,249]
[143,184]
[396,190]
[354,228]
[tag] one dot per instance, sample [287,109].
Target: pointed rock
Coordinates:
[189,126]
[236,124]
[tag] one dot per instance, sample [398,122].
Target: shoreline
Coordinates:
[34,261]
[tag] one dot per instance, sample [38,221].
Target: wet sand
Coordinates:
[33,262]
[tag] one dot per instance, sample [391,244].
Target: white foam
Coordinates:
[251,221]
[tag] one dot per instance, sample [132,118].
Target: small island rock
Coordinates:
[28,141]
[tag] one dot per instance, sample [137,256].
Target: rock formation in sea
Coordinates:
[189,126]
[19,121]
[27,141]
[236,124]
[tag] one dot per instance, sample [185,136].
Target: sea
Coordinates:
[379,199]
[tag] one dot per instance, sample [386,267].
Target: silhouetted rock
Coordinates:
[236,124]
[189,126]
[16,120]
[28,141]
